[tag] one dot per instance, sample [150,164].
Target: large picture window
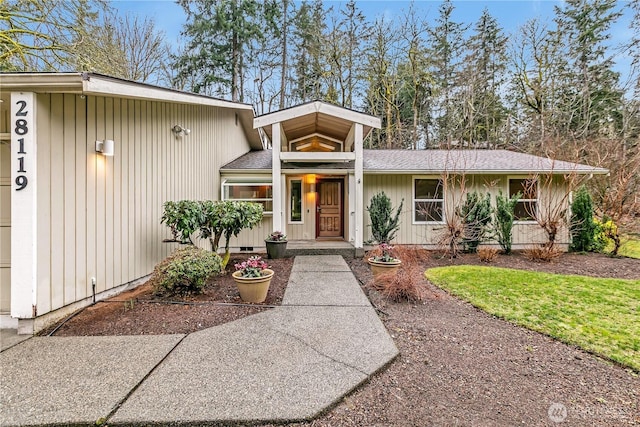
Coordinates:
[295,201]
[257,192]
[428,200]
[527,205]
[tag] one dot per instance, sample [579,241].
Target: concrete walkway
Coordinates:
[286,364]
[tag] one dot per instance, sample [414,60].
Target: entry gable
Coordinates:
[325,126]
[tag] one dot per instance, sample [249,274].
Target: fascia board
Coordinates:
[42,82]
[482,172]
[97,85]
[350,115]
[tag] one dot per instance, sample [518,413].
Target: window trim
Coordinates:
[247,183]
[413,200]
[302,203]
[537,199]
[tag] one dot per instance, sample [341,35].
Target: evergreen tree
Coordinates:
[582,226]
[584,27]
[384,222]
[218,38]
[504,218]
[476,216]
[414,98]
[447,42]
[309,64]
[483,75]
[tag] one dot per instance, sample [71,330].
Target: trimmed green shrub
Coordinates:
[227,218]
[476,216]
[213,219]
[582,227]
[504,212]
[183,218]
[384,223]
[185,271]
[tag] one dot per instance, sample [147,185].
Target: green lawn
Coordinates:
[599,315]
[630,247]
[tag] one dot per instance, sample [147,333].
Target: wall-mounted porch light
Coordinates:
[106,147]
[180,131]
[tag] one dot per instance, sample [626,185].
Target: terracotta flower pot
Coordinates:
[253,289]
[379,267]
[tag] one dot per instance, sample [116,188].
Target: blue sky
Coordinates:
[511,14]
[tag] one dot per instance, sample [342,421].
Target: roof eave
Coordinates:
[99,85]
[42,82]
[484,172]
[316,107]
[234,171]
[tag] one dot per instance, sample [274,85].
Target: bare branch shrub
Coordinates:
[617,196]
[454,189]
[553,192]
[407,284]
[542,253]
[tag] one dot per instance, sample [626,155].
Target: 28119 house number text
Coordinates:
[21,129]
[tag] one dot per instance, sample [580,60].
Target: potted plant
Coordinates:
[385,262]
[276,245]
[253,278]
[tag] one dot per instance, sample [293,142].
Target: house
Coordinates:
[87,161]
[78,225]
[316,182]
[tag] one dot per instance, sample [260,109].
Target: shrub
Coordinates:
[384,223]
[505,216]
[183,218]
[543,253]
[476,215]
[185,271]
[407,284]
[487,254]
[606,234]
[227,218]
[583,228]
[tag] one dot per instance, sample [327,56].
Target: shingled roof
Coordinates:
[469,161]
[431,161]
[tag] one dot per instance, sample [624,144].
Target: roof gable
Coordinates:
[317,118]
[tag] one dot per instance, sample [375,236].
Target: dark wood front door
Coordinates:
[329,209]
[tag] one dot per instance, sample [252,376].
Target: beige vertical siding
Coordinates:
[100,216]
[399,187]
[5,227]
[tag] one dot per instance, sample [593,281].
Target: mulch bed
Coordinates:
[457,364]
[139,312]
[461,366]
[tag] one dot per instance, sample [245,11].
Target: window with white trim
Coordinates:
[428,200]
[249,191]
[527,206]
[295,200]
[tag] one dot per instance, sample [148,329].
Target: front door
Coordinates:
[329,209]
